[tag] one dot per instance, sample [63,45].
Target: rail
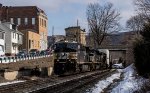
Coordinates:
[54,84]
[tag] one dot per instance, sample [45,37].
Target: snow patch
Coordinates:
[104,83]
[130,83]
[12,82]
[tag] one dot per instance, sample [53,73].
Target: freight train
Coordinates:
[71,57]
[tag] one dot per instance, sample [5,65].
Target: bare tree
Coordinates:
[144,8]
[102,20]
[136,23]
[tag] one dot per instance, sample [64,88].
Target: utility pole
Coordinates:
[77,23]
[53,35]
[78,32]
[52,30]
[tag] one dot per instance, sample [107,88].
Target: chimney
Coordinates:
[1,5]
[0,12]
[14,26]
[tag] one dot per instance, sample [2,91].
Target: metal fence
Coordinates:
[21,58]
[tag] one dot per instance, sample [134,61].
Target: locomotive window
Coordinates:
[66,47]
[72,46]
[59,45]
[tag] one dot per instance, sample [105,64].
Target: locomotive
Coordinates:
[71,57]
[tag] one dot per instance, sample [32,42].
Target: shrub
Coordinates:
[142,58]
[141,52]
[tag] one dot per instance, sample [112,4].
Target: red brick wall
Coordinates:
[21,12]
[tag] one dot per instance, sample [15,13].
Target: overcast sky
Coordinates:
[64,13]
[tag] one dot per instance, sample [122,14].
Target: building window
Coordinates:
[11,20]
[13,35]
[2,35]
[32,43]
[18,36]
[5,45]
[45,23]
[35,43]
[14,47]
[33,21]
[29,44]
[42,22]
[19,21]
[38,43]
[26,21]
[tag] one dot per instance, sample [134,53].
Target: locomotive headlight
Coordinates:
[56,56]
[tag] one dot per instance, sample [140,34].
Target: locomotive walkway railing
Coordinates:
[21,58]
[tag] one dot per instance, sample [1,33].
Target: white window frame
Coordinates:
[26,21]
[18,21]
[33,21]
[12,20]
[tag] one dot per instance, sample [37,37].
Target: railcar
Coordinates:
[70,57]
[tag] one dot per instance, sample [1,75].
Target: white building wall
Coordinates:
[14,49]
[14,37]
[12,42]
[8,42]
[2,42]
[2,47]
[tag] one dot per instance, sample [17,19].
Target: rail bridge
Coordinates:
[14,67]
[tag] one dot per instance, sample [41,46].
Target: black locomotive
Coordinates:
[70,57]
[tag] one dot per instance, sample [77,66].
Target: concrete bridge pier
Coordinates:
[11,75]
[50,71]
[45,71]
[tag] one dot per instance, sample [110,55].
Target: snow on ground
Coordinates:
[12,82]
[130,83]
[104,83]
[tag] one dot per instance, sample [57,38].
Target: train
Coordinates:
[71,57]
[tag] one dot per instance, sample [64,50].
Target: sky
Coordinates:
[65,13]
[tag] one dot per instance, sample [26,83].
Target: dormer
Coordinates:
[14,27]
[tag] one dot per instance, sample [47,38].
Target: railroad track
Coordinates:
[67,87]
[53,84]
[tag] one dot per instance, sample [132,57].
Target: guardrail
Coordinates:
[21,58]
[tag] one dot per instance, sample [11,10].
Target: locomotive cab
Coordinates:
[70,57]
[65,57]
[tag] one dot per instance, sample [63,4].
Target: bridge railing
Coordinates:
[21,58]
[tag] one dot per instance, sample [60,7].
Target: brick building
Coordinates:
[76,34]
[31,40]
[27,17]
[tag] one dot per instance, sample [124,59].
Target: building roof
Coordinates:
[37,9]
[74,27]
[1,30]
[5,28]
